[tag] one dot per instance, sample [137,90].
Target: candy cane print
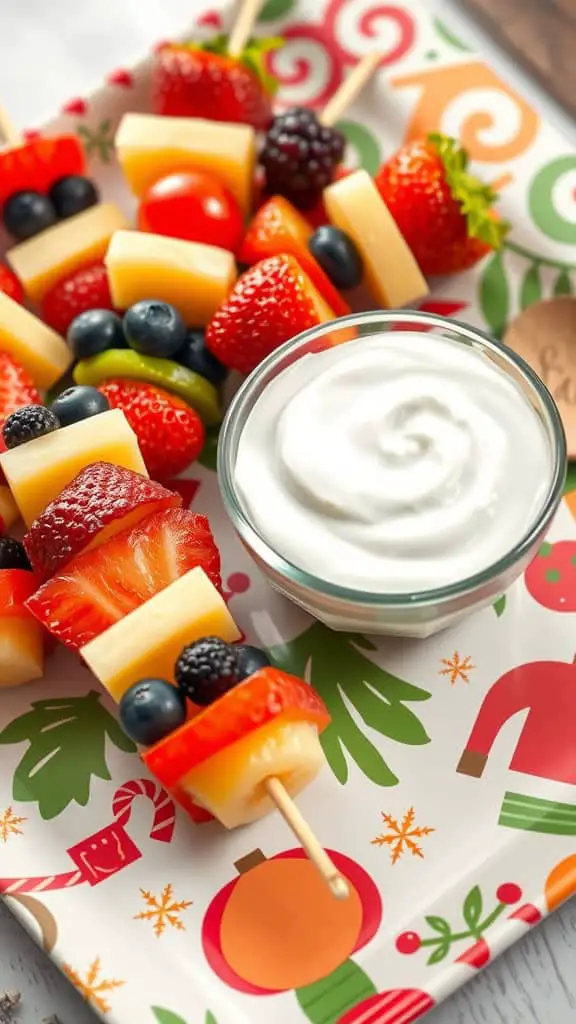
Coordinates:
[113,834]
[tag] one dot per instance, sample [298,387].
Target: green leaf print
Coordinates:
[364,144]
[327,1000]
[275,9]
[495,295]
[336,667]
[167,1017]
[98,141]
[531,288]
[210,1018]
[438,954]
[499,606]
[472,909]
[570,484]
[563,284]
[449,37]
[66,746]
[542,201]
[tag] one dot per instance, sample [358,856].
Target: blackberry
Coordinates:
[13,554]
[300,156]
[207,669]
[28,423]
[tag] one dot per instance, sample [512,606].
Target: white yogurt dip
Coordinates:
[395,463]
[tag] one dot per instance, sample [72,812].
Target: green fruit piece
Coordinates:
[164,373]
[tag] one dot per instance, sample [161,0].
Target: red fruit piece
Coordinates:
[87,288]
[271,303]
[551,576]
[99,587]
[317,216]
[477,955]
[100,502]
[170,434]
[443,212]
[16,586]
[278,227]
[39,163]
[10,285]
[188,81]
[193,205]
[16,389]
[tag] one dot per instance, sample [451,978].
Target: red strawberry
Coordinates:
[100,586]
[100,502]
[86,288]
[16,389]
[170,433]
[10,285]
[278,227]
[190,81]
[271,302]
[38,163]
[444,213]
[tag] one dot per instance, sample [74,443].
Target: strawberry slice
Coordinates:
[39,163]
[265,695]
[16,586]
[86,288]
[278,227]
[100,502]
[271,303]
[100,586]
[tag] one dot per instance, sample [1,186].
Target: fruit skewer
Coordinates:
[351,88]
[242,28]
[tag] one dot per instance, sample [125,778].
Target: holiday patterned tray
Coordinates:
[449,797]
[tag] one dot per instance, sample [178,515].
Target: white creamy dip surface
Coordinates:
[395,463]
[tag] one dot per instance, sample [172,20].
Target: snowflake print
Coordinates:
[457,668]
[98,141]
[9,825]
[93,988]
[163,910]
[401,836]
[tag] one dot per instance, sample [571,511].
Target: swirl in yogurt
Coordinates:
[396,463]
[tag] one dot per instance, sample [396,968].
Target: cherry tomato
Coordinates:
[193,205]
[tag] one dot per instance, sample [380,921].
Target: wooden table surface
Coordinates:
[540,35]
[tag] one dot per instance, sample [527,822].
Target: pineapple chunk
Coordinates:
[37,471]
[21,651]
[40,262]
[147,641]
[231,784]
[195,278]
[150,146]
[42,352]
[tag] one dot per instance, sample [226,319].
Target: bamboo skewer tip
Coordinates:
[351,87]
[309,842]
[242,27]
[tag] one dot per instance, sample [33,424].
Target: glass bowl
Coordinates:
[422,613]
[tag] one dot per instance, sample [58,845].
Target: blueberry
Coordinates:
[95,331]
[337,255]
[195,356]
[250,660]
[13,554]
[78,403]
[206,670]
[154,328]
[72,194]
[151,710]
[26,214]
[28,423]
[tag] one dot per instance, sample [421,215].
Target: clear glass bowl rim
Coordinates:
[250,390]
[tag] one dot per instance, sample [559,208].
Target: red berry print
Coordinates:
[75,106]
[551,577]
[408,943]
[508,893]
[477,955]
[527,913]
[31,134]
[120,77]
[210,19]
[238,583]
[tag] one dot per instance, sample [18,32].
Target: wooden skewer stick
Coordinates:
[308,841]
[350,89]
[8,134]
[242,28]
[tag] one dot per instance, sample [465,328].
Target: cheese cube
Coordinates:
[149,147]
[40,262]
[147,642]
[8,510]
[42,352]
[392,274]
[37,471]
[192,277]
[21,651]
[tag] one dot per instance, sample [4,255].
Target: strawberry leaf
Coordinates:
[253,56]
[475,198]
